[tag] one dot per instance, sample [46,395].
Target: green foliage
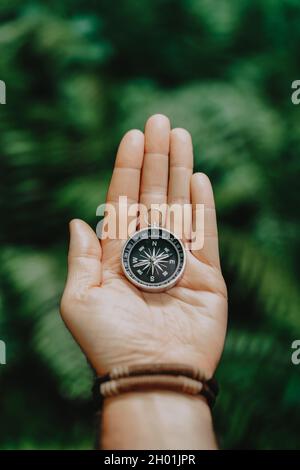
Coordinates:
[78,74]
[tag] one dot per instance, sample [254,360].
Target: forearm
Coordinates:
[156,420]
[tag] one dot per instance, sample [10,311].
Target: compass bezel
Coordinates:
[153,232]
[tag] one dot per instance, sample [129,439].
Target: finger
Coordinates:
[180,172]
[154,182]
[125,181]
[202,194]
[84,259]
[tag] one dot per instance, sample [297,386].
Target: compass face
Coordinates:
[153,259]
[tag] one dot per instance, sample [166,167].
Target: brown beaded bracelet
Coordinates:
[145,377]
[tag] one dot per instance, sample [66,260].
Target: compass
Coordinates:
[153,259]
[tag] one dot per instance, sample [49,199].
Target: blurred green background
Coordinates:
[80,73]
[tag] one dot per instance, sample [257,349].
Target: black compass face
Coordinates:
[153,259]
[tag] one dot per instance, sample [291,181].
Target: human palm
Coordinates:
[113,321]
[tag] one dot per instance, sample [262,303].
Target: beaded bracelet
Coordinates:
[146,377]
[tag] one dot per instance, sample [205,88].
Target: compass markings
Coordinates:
[154,261]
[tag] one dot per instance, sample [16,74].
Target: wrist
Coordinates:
[157,420]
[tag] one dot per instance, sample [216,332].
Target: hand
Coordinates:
[113,321]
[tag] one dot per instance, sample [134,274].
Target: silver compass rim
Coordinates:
[168,285]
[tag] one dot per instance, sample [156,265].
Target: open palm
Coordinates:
[113,321]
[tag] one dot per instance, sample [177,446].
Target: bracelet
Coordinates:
[146,377]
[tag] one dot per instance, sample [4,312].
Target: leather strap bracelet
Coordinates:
[145,377]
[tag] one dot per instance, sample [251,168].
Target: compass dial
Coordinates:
[153,259]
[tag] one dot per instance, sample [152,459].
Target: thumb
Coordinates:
[84,259]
